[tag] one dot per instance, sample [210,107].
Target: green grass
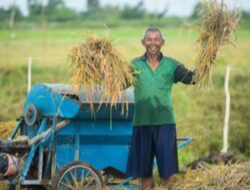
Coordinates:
[199,113]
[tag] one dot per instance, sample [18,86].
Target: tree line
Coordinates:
[57,11]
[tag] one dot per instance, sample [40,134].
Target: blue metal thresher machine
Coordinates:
[62,145]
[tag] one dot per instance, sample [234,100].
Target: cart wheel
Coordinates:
[77,176]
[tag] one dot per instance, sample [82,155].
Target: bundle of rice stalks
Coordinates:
[98,64]
[6,128]
[217,25]
[220,177]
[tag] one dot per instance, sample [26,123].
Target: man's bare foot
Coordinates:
[147,183]
[168,183]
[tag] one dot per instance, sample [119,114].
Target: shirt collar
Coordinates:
[144,57]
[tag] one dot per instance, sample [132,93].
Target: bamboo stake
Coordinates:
[227,111]
[29,74]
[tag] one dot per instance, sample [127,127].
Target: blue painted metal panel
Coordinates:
[40,95]
[101,145]
[62,100]
[50,103]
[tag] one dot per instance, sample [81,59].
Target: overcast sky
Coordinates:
[175,7]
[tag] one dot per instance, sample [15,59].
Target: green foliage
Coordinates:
[185,157]
[61,14]
[34,7]
[245,19]
[53,5]
[94,11]
[137,12]
[245,15]
[196,10]
[93,5]
[53,11]
[56,14]
[18,14]
[5,14]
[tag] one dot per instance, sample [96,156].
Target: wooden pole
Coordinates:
[227,111]
[29,74]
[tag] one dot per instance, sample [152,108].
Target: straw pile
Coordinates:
[220,177]
[96,62]
[218,23]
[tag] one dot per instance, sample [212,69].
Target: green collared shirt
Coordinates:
[153,102]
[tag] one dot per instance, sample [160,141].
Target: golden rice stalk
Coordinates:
[217,25]
[6,129]
[220,177]
[97,63]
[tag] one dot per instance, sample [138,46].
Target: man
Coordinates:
[154,132]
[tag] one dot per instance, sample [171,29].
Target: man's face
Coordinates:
[153,43]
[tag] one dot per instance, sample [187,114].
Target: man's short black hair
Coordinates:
[153,29]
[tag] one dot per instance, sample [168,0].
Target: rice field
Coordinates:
[193,107]
[199,113]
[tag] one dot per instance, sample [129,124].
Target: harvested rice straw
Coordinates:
[98,64]
[220,177]
[6,129]
[218,23]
